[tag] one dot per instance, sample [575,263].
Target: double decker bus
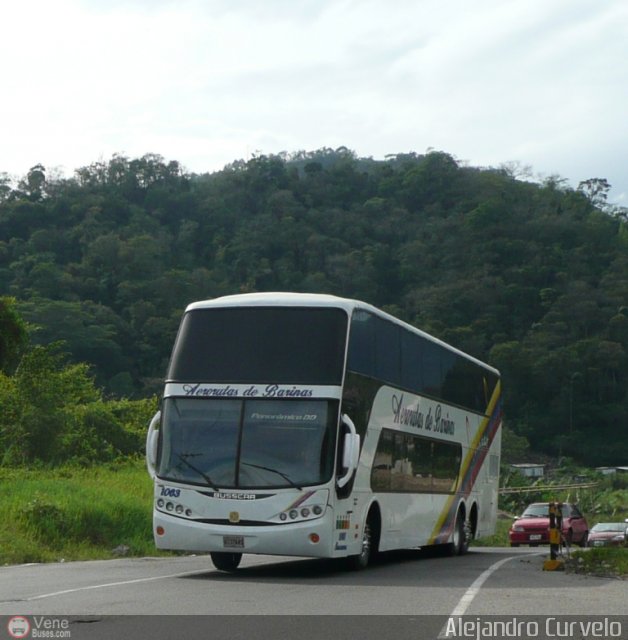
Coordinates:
[317,426]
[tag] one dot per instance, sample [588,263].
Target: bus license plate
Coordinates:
[535,536]
[233,542]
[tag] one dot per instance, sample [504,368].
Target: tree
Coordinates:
[34,183]
[52,412]
[596,190]
[13,335]
[91,332]
[5,186]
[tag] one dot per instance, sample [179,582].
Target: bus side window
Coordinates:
[359,396]
[381,472]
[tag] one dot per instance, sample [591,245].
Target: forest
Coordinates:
[530,276]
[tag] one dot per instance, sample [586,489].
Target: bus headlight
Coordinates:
[302,513]
[179,509]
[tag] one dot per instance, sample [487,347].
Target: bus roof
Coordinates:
[278,299]
[283,299]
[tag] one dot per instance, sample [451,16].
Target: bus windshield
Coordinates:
[241,443]
[282,345]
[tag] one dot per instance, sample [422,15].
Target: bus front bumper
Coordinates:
[310,538]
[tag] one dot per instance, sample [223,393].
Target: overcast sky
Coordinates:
[206,82]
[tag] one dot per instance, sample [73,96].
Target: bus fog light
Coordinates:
[283,516]
[317,510]
[188,513]
[160,503]
[169,506]
[305,512]
[179,508]
[314,537]
[293,514]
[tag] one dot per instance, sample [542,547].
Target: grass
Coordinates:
[608,561]
[75,513]
[499,538]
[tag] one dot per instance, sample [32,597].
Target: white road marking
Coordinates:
[113,584]
[472,591]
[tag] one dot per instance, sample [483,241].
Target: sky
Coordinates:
[538,84]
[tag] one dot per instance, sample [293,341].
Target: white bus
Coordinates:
[312,425]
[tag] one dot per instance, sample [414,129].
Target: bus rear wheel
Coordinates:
[226,561]
[460,541]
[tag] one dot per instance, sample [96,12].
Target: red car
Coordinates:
[532,527]
[609,534]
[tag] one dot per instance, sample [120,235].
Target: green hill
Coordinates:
[531,277]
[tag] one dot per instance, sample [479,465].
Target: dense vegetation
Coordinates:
[531,277]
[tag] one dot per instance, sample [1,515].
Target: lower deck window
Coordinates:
[413,464]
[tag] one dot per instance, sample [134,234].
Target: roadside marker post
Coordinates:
[555,530]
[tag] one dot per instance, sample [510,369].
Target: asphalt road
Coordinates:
[402,593]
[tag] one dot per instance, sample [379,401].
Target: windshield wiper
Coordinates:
[184,458]
[279,473]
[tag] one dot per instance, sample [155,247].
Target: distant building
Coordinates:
[607,471]
[529,469]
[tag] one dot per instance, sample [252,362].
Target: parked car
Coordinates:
[532,526]
[609,534]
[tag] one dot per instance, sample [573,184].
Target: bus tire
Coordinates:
[361,561]
[460,542]
[224,561]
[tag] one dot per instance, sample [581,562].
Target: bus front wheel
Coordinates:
[226,561]
[361,561]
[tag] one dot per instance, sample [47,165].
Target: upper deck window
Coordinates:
[385,351]
[283,345]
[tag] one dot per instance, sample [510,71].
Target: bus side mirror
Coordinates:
[152,439]
[350,451]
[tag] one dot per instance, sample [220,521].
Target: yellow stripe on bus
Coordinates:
[466,464]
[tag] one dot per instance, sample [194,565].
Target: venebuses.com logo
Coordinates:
[38,627]
[18,627]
